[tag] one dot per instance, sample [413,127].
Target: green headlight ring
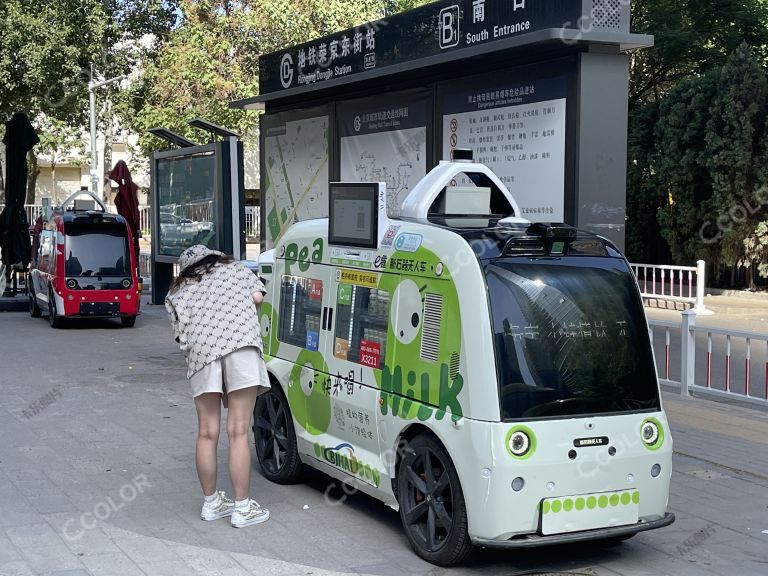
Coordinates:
[531,437]
[659,441]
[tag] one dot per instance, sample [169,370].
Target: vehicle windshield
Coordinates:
[97,250]
[570,338]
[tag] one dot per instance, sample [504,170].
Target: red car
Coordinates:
[84,267]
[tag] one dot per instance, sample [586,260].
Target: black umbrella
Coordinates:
[19,139]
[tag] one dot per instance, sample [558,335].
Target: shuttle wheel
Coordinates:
[432,504]
[55,320]
[34,309]
[275,437]
[128,321]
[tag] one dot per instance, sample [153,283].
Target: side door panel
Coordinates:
[358,338]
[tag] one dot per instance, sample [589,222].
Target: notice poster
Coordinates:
[385,142]
[517,130]
[295,172]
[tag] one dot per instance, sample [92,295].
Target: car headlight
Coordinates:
[519,443]
[652,434]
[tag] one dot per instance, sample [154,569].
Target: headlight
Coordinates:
[519,443]
[650,433]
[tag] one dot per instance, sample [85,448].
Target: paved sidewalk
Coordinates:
[97,478]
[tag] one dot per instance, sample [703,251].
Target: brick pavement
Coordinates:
[98,478]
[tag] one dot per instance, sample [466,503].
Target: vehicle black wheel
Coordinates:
[128,321]
[432,504]
[55,320]
[34,310]
[275,438]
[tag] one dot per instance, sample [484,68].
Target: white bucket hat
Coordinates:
[194,254]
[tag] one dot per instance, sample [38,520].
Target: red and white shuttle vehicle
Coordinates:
[84,266]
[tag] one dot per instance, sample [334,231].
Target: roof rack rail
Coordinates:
[65,206]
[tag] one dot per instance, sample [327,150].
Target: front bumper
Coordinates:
[533,540]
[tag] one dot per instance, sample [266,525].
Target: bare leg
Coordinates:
[209,423]
[241,403]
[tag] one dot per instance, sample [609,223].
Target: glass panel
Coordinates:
[186,190]
[96,250]
[571,338]
[301,301]
[361,325]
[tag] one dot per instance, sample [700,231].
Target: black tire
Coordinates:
[432,506]
[54,319]
[275,438]
[128,321]
[34,309]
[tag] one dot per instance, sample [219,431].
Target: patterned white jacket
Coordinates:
[216,315]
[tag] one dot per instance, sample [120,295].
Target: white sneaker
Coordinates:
[219,508]
[254,514]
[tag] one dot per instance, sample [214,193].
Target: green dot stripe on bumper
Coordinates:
[589,502]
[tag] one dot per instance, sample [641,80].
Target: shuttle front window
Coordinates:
[570,338]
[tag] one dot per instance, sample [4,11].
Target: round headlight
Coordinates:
[71,283]
[126,283]
[650,433]
[519,443]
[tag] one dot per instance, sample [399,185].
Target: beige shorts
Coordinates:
[243,368]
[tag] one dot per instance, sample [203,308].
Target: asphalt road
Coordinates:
[97,477]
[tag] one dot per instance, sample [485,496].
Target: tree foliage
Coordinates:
[211,59]
[701,156]
[691,37]
[709,160]
[50,50]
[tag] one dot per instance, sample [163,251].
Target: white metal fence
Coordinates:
[705,361]
[674,283]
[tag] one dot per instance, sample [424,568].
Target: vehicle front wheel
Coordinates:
[275,438]
[55,320]
[34,309]
[432,504]
[128,321]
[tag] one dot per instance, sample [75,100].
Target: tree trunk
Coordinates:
[34,172]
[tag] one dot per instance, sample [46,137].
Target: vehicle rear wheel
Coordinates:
[128,321]
[54,319]
[432,504]
[34,309]
[275,438]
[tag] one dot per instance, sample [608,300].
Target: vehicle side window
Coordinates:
[46,245]
[361,325]
[300,308]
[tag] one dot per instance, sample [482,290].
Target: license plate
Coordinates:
[100,308]
[589,511]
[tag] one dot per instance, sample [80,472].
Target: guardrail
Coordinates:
[713,370]
[674,283]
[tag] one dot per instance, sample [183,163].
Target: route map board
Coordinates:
[295,185]
[518,130]
[385,141]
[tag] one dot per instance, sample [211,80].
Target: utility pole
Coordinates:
[92,86]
